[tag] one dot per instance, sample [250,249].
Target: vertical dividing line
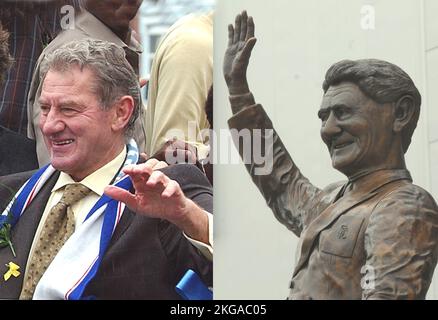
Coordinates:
[424,112]
[433,289]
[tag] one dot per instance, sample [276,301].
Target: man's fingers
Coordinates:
[251,28]
[243,26]
[157,181]
[247,49]
[230,35]
[160,165]
[172,189]
[139,169]
[237,29]
[128,169]
[151,163]
[140,173]
[122,195]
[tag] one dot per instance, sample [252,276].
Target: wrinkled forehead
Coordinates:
[72,82]
[345,93]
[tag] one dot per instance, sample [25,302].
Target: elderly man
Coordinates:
[93,223]
[103,20]
[374,236]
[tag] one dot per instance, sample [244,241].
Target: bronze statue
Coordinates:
[374,236]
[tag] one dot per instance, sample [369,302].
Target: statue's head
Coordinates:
[369,112]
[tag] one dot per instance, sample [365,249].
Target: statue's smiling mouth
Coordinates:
[342,145]
[337,145]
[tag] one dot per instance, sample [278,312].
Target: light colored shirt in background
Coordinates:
[181,75]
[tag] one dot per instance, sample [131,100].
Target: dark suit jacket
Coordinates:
[146,257]
[17,153]
[377,241]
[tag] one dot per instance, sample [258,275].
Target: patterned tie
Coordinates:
[58,227]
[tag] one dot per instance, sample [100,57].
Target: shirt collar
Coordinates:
[95,28]
[370,182]
[99,179]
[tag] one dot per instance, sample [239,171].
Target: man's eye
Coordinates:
[45,109]
[68,110]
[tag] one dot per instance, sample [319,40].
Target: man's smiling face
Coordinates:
[77,131]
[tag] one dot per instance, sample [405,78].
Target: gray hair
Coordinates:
[114,75]
[381,81]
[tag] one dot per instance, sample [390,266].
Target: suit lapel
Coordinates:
[32,215]
[22,237]
[122,226]
[37,206]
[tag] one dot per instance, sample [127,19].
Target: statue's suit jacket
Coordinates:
[376,241]
[145,258]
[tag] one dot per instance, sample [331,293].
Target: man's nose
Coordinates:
[330,128]
[51,123]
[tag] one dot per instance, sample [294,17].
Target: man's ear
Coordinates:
[123,112]
[404,110]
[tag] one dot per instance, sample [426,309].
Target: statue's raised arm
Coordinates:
[287,192]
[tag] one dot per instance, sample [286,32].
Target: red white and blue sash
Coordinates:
[78,261]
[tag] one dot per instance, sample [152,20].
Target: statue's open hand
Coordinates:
[241,41]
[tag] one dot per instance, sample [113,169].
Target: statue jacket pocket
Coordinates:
[340,239]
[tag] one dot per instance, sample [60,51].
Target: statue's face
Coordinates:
[356,129]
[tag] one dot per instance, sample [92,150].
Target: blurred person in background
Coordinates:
[17,153]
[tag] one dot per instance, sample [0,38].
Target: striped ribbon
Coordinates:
[110,208]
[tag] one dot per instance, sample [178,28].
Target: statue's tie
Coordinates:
[58,227]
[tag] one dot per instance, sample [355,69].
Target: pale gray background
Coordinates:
[297,42]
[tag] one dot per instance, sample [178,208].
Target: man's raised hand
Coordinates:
[157,196]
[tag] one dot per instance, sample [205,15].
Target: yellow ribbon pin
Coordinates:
[13,271]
